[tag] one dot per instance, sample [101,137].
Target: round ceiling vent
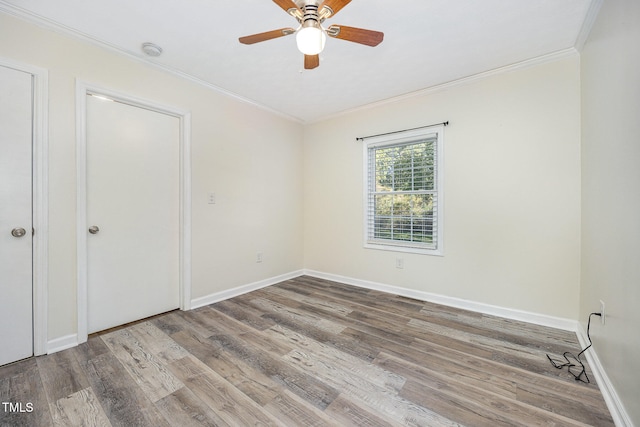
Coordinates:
[151,49]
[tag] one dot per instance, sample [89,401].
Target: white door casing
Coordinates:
[117,279]
[23,206]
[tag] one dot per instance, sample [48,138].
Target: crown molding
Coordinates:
[588,23]
[48,24]
[551,57]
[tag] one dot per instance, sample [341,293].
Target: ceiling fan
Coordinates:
[310,34]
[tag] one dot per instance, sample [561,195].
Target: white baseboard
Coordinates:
[69,341]
[618,412]
[509,313]
[62,343]
[230,293]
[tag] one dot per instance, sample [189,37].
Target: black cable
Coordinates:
[583,372]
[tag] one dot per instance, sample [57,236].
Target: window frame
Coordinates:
[396,139]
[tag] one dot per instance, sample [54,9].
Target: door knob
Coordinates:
[18,232]
[94,229]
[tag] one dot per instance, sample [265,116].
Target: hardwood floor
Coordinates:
[307,352]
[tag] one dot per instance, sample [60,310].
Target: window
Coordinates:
[403,206]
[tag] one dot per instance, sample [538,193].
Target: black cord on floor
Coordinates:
[569,364]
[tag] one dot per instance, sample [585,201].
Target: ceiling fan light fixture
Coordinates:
[311,40]
[310,35]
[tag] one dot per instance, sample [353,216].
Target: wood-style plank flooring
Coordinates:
[307,352]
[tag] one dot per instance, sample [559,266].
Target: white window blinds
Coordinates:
[404,192]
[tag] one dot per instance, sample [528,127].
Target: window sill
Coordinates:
[401,248]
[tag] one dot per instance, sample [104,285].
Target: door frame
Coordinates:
[82,90]
[39,201]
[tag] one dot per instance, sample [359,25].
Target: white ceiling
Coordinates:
[426,43]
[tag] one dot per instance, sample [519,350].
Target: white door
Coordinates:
[16,287]
[133,213]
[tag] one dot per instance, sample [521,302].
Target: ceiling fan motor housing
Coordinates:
[309,10]
[310,17]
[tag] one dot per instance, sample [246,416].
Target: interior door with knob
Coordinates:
[133,212]
[16,284]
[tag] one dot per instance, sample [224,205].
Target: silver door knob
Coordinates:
[18,232]
[94,229]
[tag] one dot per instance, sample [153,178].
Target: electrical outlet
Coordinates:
[602,312]
[399,263]
[258,256]
[211,198]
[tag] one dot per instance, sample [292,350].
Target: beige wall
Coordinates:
[610,64]
[512,191]
[513,186]
[249,157]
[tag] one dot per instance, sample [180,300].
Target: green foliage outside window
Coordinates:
[404,199]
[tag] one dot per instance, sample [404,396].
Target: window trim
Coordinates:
[396,139]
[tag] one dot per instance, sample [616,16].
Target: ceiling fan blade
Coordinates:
[311,61]
[260,37]
[334,7]
[356,35]
[287,5]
